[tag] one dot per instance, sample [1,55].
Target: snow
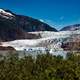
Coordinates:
[20,44]
[41,20]
[5,14]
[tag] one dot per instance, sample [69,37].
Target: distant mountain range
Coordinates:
[71,27]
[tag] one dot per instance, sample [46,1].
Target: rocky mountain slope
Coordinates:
[13,26]
[71,27]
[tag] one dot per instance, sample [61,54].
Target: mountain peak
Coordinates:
[6,14]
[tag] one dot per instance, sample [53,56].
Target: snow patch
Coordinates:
[5,14]
[41,20]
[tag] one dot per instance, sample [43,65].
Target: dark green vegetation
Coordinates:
[44,67]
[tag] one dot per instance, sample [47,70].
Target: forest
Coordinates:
[43,67]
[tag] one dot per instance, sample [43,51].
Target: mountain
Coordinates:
[13,26]
[18,32]
[71,27]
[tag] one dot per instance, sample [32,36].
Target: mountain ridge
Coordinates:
[71,27]
[14,26]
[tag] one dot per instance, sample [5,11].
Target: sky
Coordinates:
[57,13]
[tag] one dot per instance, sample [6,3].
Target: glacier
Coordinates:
[49,41]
